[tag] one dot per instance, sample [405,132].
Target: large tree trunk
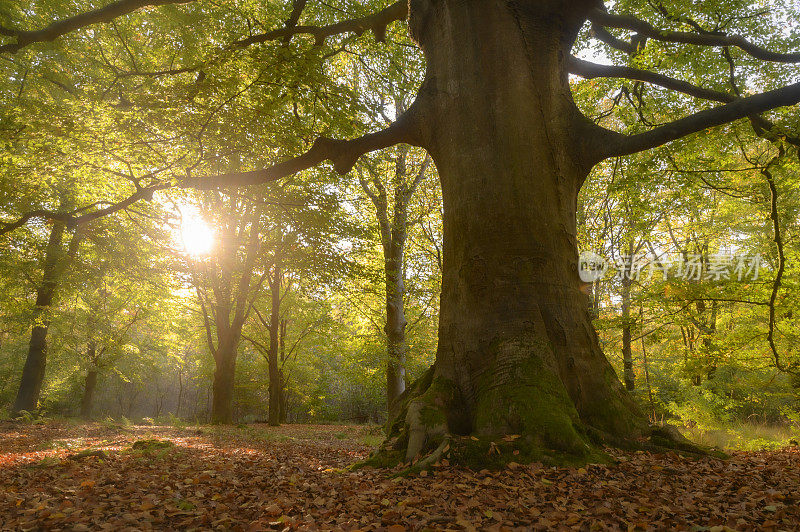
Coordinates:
[30,386]
[224,380]
[517,352]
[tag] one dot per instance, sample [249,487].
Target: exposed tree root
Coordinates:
[419,437]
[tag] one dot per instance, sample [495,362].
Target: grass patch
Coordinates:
[152,445]
[744,436]
[371,440]
[265,434]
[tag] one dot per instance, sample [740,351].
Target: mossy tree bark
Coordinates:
[517,357]
[517,353]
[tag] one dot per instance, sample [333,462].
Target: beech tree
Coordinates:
[393,221]
[54,262]
[517,355]
[227,285]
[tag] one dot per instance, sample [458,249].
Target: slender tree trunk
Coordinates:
[284,408]
[180,393]
[395,317]
[709,341]
[224,381]
[275,378]
[90,383]
[394,248]
[131,403]
[394,235]
[647,374]
[517,352]
[627,351]
[30,386]
[88,394]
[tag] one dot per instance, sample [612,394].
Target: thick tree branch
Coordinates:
[604,35]
[377,22]
[343,154]
[602,18]
[297,10]
[72,219]
[588,70]
[62,27]
[737,109]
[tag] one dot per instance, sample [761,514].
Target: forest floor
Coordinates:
[295,477]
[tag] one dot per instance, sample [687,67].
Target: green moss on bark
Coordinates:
[381,459]
[530,401]
[484,453]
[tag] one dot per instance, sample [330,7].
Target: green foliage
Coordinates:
[159,96]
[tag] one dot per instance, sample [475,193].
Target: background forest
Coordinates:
[315,298]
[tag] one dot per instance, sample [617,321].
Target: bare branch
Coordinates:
[62,27]
[603,18]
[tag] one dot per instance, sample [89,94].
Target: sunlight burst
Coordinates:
[197,236]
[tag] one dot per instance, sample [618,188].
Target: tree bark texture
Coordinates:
[224,379]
